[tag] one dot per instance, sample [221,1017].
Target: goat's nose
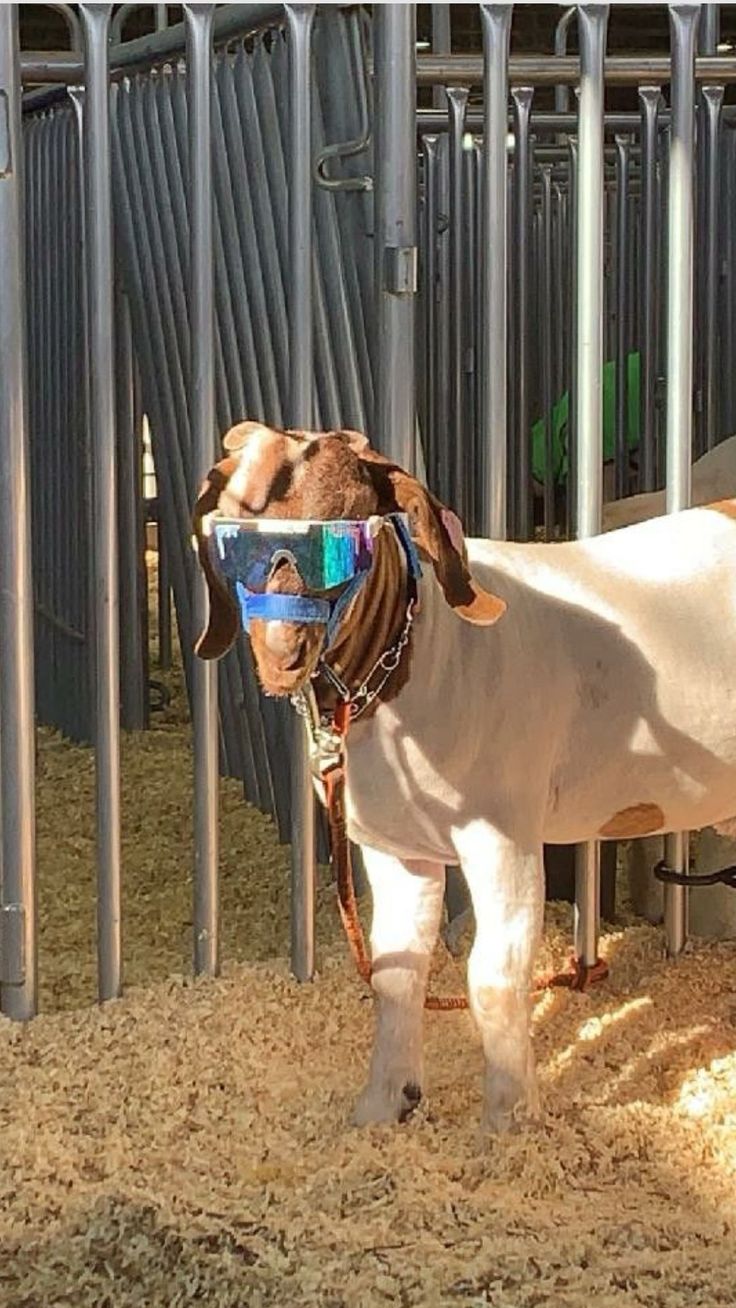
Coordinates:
[278,642]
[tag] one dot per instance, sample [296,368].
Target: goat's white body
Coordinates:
[609,683]
[606,692]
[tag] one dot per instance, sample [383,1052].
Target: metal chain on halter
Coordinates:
[389,661]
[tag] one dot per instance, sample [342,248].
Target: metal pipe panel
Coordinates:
[300,18]
[98,228]
[18,925]
[545,320]
[198,22]
[562,97]
[592,27]
[649,99]
[680,302]
[623,257]
[496,20]
[522,98]
[546,70]
[457,98]
[395,230]
[712,102]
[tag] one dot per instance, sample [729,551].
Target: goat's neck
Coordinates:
[373,624]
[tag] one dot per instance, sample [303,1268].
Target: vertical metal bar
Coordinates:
[133,686]
[440,372]
[592,27]
[430,151]
[18,962]
[562,100]
[441,44]
[545,337]
[649,100]
[300,18]
[522,98]
[728,344]
[496,20]
[164,600]
[198,22]
[712,103]
[395,228]
[623,256]
[572,422]
[162,17]
[709,29]
[95,23]
[457,100]
[680,299]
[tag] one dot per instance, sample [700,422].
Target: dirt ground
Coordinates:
[191,1144]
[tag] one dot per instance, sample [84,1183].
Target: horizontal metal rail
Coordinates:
[437,120]
[551,70]
[452,70]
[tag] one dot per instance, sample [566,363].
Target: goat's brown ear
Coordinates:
[223,622]
[439,533]
[355,440]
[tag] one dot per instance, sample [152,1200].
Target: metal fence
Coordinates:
[275,231]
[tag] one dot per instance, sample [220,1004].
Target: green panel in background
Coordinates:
[560,414]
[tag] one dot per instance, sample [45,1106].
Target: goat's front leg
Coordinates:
[506,883]
[407,904]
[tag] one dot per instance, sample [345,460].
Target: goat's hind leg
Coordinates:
[407,904]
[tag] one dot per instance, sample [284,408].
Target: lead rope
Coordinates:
[576,977]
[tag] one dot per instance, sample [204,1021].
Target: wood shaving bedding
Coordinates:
[191,1143]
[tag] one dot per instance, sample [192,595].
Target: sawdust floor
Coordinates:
[191,1142]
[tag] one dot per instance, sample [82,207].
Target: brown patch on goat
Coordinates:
[638,820]
[727,507]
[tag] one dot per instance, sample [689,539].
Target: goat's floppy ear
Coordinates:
[439,533]
[223,622]
[355,440]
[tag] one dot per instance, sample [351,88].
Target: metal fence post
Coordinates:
[18,963]
[623,255]
[522,515]
[457,100]
[395,229]
[95,20]
[496,20]
[680,299]
[300,18]
[592,27]
[712,103]
[198,21]
[649,99]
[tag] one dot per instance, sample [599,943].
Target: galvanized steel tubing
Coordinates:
[680,301]
[95,20]
[395,230]
[300,18]
[592,27]
[649,99]
[623,258]
[521,475]
[496,21]
[198,20]
[18,928]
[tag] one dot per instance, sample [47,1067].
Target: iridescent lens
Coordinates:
[325,554]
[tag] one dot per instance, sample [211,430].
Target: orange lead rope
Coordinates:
[576,978]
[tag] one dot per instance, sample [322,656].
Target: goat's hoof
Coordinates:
[387,1104]
[510,1107]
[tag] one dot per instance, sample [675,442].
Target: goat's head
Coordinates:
[325,477]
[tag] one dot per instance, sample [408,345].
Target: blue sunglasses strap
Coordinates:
[280,608]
